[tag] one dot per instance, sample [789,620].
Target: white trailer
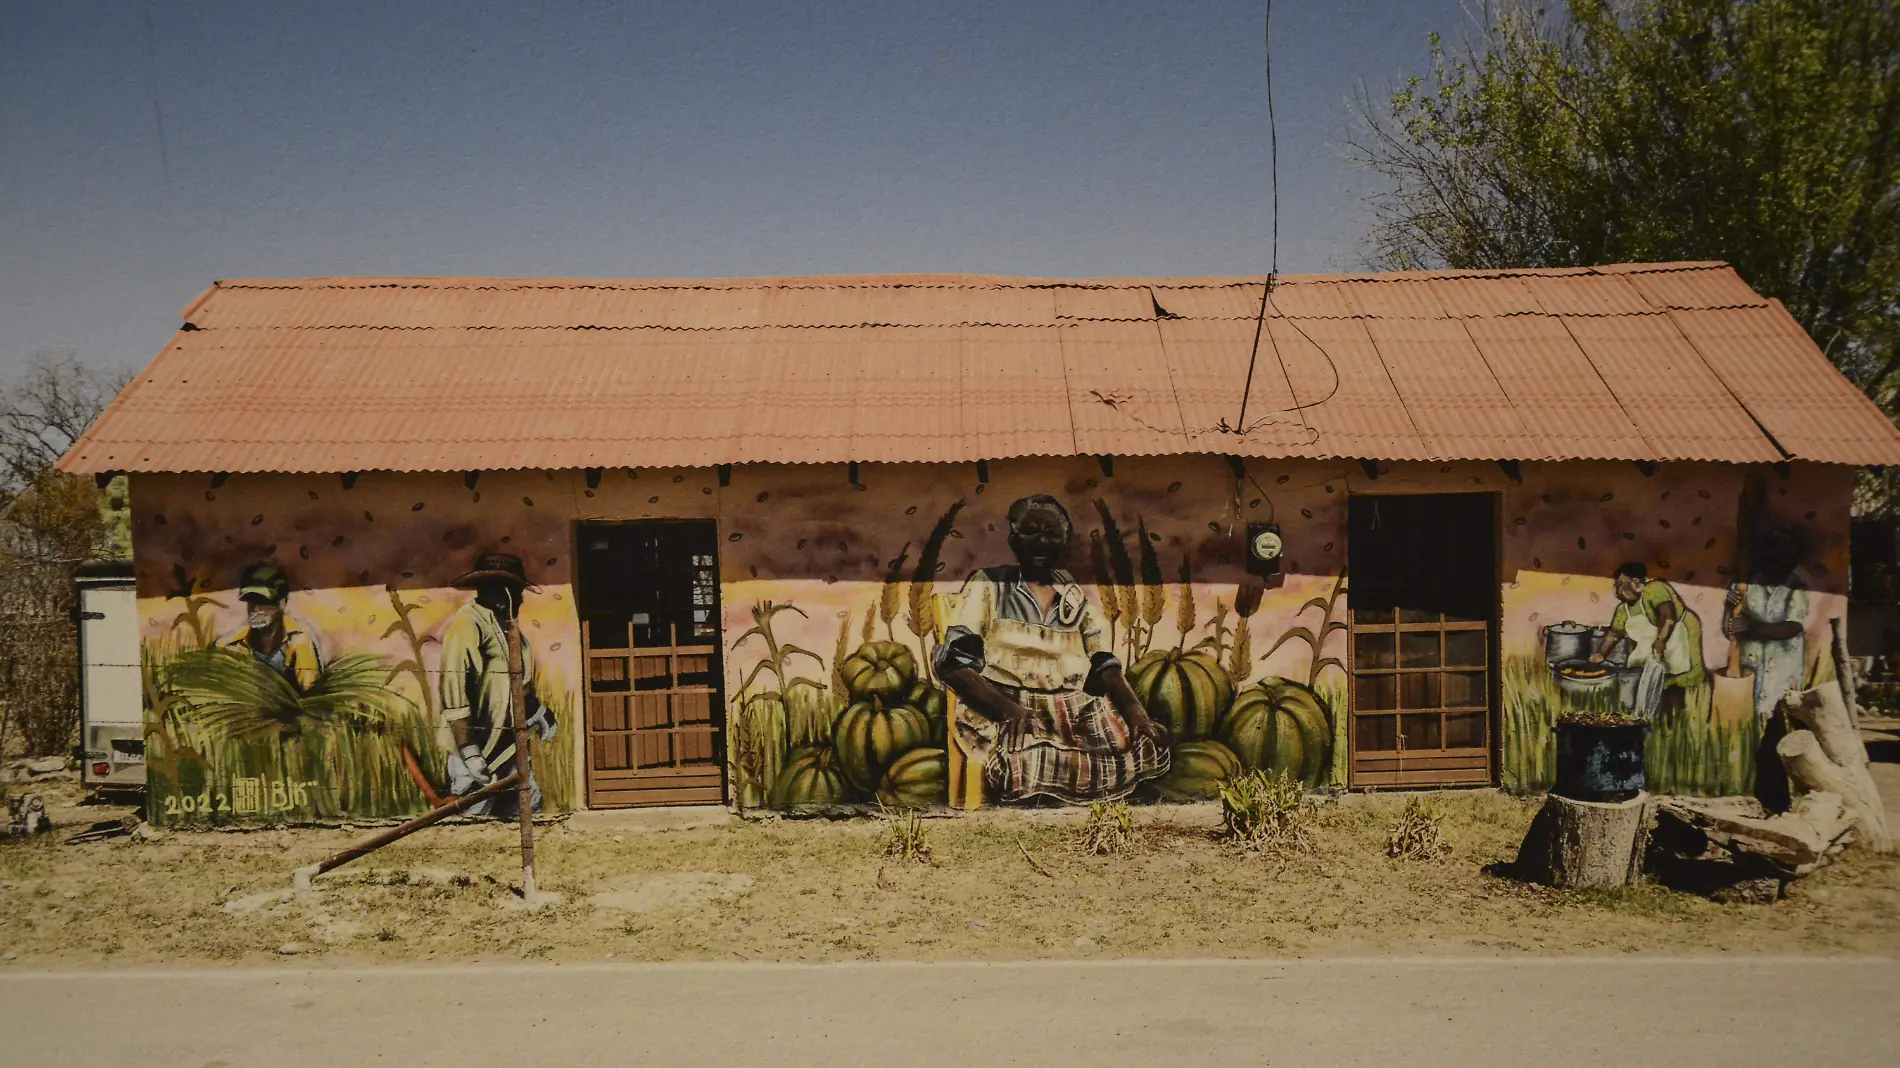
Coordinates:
[112,709]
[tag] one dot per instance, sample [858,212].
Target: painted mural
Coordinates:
[1038,631]
[280,719]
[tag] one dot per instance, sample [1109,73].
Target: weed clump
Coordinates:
[1110,830]
[1419,834]
[904,837]
[1266,812]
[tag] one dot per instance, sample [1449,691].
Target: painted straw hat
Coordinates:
[496,567]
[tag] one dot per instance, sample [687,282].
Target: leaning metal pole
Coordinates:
[302,876]
[524,756]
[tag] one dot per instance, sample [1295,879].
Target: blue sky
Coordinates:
[630,139]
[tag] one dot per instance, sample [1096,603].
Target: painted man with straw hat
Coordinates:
[474,681]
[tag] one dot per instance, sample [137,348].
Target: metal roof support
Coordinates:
[1371,468]
[1647,467]
[349,479]
[219,478]
[1108,465]
[852,473]
[593,477]
[1512,471]
[983,472]
[725,474]
[471,478]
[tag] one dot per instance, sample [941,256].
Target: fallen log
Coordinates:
[1795,842]
[1808,765]
[1585,843]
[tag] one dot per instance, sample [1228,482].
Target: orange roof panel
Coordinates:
[1453,399]
[1557,392]
[1678,404]
[1635,361]
[1763,357]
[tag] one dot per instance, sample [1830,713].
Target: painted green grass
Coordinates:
[1687,753]
[349,769]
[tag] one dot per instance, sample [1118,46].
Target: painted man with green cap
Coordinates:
[475,697]
[269,633]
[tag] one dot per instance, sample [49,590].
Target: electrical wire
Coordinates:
[1240,427]
[1273,266]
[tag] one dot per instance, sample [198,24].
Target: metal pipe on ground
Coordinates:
[302,876]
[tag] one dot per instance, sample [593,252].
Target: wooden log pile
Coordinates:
[1728,848]
[1829,757]
[1732,849]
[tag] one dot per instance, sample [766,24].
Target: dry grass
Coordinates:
[1109,831]
[1420,832]
[904,836]
[1263,812]
[824,891]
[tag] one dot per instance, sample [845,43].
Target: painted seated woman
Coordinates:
[1043,707]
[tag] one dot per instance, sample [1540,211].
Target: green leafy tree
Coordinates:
[1765,133]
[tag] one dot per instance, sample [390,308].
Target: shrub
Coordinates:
[904,836]
[1419,834]
[1267,812]
[1110,830]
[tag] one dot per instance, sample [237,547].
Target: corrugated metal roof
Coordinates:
[1633,361]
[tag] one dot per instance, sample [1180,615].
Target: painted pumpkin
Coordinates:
[880,669]
[870,735]
[810,777]
[1278,725]
[1197,770]
[932,703]
[1188,691]
[918,779]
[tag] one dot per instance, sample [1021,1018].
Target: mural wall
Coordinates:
[1045,628]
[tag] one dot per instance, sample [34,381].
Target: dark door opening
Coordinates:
[1423,573]
[648,597]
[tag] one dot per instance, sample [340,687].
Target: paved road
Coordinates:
[1471,1014]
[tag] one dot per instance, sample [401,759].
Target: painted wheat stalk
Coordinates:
[1154,591]
[923,583]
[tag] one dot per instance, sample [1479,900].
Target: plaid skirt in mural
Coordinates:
[1075,747]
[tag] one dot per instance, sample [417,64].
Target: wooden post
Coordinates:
[454,806]
[1746,507]
[524,756]
[1844,667]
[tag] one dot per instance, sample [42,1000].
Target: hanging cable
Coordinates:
[1273,265]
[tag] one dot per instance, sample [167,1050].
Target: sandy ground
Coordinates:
[818,891]
[1739,1012]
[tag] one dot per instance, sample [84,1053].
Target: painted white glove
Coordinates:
[542,723]
[477,766]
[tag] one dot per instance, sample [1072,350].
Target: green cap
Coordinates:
[264,582]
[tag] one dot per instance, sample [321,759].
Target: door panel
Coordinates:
[648,597]
[1423,629]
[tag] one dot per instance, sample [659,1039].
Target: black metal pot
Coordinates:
[1600,763]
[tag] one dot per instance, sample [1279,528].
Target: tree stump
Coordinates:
[1585,843]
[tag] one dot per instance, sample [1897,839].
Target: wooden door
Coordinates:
[1422,639]
[648,595]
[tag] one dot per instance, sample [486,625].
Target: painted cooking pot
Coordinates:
[1577,676]
[1600,763]
[1568,640]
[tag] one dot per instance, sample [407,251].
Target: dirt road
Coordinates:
[1473,1014]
